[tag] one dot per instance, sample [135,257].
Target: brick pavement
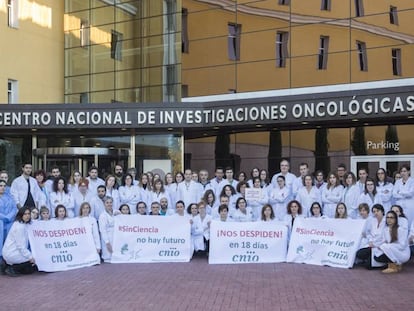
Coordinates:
[200,286]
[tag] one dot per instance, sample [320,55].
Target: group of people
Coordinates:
[386,203]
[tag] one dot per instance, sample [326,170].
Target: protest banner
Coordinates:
[151,239]
[63,245]
[247,242]
[325,242]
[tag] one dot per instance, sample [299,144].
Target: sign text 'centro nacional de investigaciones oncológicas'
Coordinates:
[189,115]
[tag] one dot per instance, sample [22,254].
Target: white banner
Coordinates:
[63,245]
[325,242]
[247,242]
[253,194]
[151,239]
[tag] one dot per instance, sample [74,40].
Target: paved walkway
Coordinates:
[200,286]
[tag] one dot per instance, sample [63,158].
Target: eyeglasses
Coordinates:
[390,217]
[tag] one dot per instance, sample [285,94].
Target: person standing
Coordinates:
[189,191]
[403,193]
[25,190]
[94,180]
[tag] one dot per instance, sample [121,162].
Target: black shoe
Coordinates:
[3,267]
[10,272]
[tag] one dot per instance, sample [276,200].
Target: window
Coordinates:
[362,56]
[284,2]
[233,41]
[326,5]
[171,80]
[396,62]
[184,31]
[184,90]
[12,13]
[12,91]
[281,48]
[84,33]
[171,14]
[323,52]
[84,98]
[359,8]
[116,45]
[393,15]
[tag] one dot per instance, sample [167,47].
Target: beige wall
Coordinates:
[207,69]
[32,54]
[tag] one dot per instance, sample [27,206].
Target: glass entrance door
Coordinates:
[69,159]
[390,163]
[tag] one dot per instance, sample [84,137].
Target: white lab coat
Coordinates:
[403,194]
[19,189]
[385,193]
[106,228]
[330,198]
[307,198]
[63,198]
[131,196]
[279,198]
[350,197]
[16,247]
[398,251]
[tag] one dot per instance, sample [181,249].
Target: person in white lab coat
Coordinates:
[16,253]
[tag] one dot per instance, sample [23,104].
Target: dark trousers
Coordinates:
[383,258]
[364,254]
[24,268]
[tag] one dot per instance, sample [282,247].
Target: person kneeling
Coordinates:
[393,249]
[16,253]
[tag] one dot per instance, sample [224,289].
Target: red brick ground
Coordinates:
[200,286]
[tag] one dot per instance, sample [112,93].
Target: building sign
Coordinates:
[392,102]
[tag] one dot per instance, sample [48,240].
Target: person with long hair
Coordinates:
[242,213]
[351,194]
[211,203]
[331,195]
[205,221]
[129,193]
[393,248]
[112,191]
[341,211]
[106,228]
[308,193]
[294,211]
[403,192]
[402,219]
[74,181]
[370,194]
[384,188]
[158,192]
[279,196]
[372,235]
[315,210]
[82,194]
[267,213]
[61,196]
[16,253]
[230,192]
[256,204]
[85,212]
